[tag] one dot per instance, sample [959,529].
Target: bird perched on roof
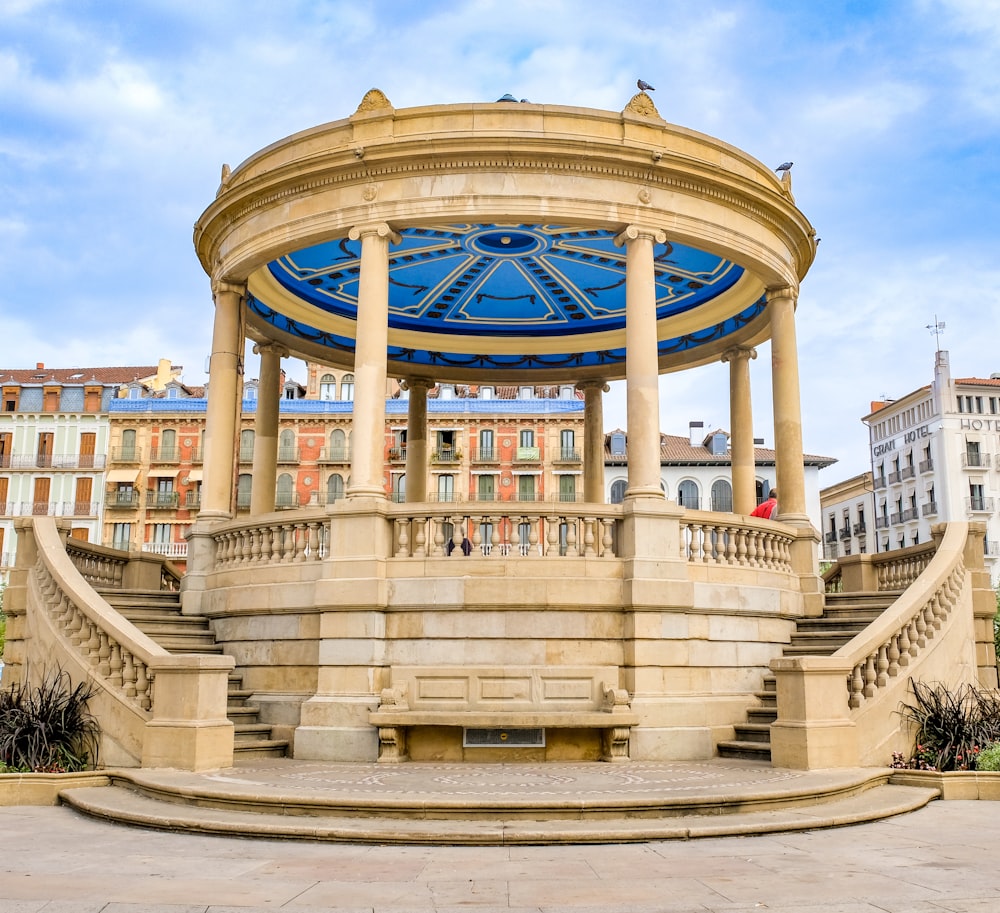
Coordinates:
[785,166]
[507,97]
[644,86]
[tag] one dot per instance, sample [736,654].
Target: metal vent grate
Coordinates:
[503,738]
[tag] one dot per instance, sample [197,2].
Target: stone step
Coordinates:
[759,733]
[763,715]
[260,748]
[748,751]
[189,804]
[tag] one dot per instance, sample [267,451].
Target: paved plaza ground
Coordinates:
[940,859]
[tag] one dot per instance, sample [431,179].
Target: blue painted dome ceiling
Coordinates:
[495,297]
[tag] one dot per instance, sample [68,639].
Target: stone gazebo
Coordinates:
[503,243]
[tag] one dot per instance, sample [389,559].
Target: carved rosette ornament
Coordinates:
[641,104]
[374,100]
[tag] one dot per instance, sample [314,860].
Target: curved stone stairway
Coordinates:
[157,613]
[844,616]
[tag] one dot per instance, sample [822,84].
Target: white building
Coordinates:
[696,471]
[935,458]
[848,511]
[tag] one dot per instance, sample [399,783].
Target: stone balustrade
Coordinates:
[294,536]
[725,539]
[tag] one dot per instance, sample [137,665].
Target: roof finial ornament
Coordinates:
[641,104]
[374,100]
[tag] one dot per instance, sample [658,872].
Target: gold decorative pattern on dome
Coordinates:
[642,105]
[374,100]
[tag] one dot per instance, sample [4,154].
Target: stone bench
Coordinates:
[510,698]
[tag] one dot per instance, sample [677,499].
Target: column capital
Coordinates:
[226,285]
[413,383]
[379,229]
[634,232]
[735,353]
[274,348]
[782,291]
[602,385]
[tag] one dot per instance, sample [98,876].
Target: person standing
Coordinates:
[768,507]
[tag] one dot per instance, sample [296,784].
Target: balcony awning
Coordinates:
[123,475]
[195,475]
[163,473]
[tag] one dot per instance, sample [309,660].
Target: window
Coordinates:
[161,534]
[687,494]
[446,488]
[525,488]
[446,391]
[44,458]
[527,438]
[128,453]
[287,452]
[977,500]
[567,444]
[338,445]
[328,387]
[486,444]
[347,388]
[722,496]
[6,445]
[617,444]
[135,392]
[399,487]
[121,536]
[566,391]
[250,392]
[618,488]
[334,488]
[486,488]
[486,393]
[246,446]
[285,492]
[567,488]
[172,393]
[526,393]
[243,487]
[168,444]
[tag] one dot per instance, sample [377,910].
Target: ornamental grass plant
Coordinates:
[951,727]
[47,728]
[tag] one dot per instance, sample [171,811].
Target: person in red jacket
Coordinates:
[768,507]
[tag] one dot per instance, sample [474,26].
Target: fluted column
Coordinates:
[371,343]
[741,428]
[790,474]
[265,439]
[224,400]
[593,440]
[641,362]
[416,438]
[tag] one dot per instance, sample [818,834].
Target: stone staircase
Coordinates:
[157,613]
[844,616]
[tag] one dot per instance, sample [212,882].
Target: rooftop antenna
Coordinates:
[937,328]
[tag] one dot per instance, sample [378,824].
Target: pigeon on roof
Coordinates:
[785,166]
[644,86]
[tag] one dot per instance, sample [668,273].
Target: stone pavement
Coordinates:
[940,859]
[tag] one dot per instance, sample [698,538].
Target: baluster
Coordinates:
[103,654]
[266,535]
[402,538]
[608,540]
[904,646]
[299,537]
[495,537]
[572,548]
[256,541]
[921,627]
[438,536]
[93,646]
[588,537]
[768,550]
[870,676]
[893,654]
[533,537]
[313,528]
[128,675]
[729,556]
[477,536]
[456,537]
[911,632]
[420,537]
[856,687]
[552,537]
[515,537]
[116,664]
[928,613]
[882,666]
[742,537]
[142,685]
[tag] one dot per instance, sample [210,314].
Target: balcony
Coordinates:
[486,455]
[38,509]
[991,549]
[907,472]
[926,466]
[341,455]
[163,500]
[79,509]
[860,528]
[527,455]
[909,514]
[246,454]
[55,461]
[929,509]
[567,455]
[845,532]
[289,455]
[126,454]
[167,549]
[881,523]
[895,519]
[122,499]
[164,455]
[975,460]
[397,454]
[286,501]
[446,455]
[830,536]
[894,477]
[192,500]
[880,482]
[243,500]
[443,496]
[196,455]
[979,505]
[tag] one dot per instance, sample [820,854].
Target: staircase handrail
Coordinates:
[117,568]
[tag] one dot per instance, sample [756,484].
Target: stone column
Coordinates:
[642,374]
[368,447]
[225,398]
[416,438]
[741,428]
[265,440]
[593,440]
[789,475]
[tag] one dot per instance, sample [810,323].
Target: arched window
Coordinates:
[399,488]
[328,387]
[128,445]
[687,495]
[722,495]
[338,445]
[246,445]
[347,387]
[618,491]
[286,446]
[168,444]
[334,488]
[243,491]
[285,494]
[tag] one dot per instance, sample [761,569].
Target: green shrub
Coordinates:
[951,727]
[989,757]
[47,728]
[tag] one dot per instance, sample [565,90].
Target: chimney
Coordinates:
[696,433]
[39,365]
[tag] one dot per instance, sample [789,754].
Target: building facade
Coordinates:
[935,458]
[847,508]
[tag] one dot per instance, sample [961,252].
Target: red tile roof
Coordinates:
[678,450]
[45,375]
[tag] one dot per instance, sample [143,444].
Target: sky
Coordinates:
[116,117]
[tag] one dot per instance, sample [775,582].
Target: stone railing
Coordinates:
[505,530]
[113,568]
[841,710]
[885,572]
[726,539]
[291,537]
[161,709]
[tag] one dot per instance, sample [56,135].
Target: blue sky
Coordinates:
[115,119]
